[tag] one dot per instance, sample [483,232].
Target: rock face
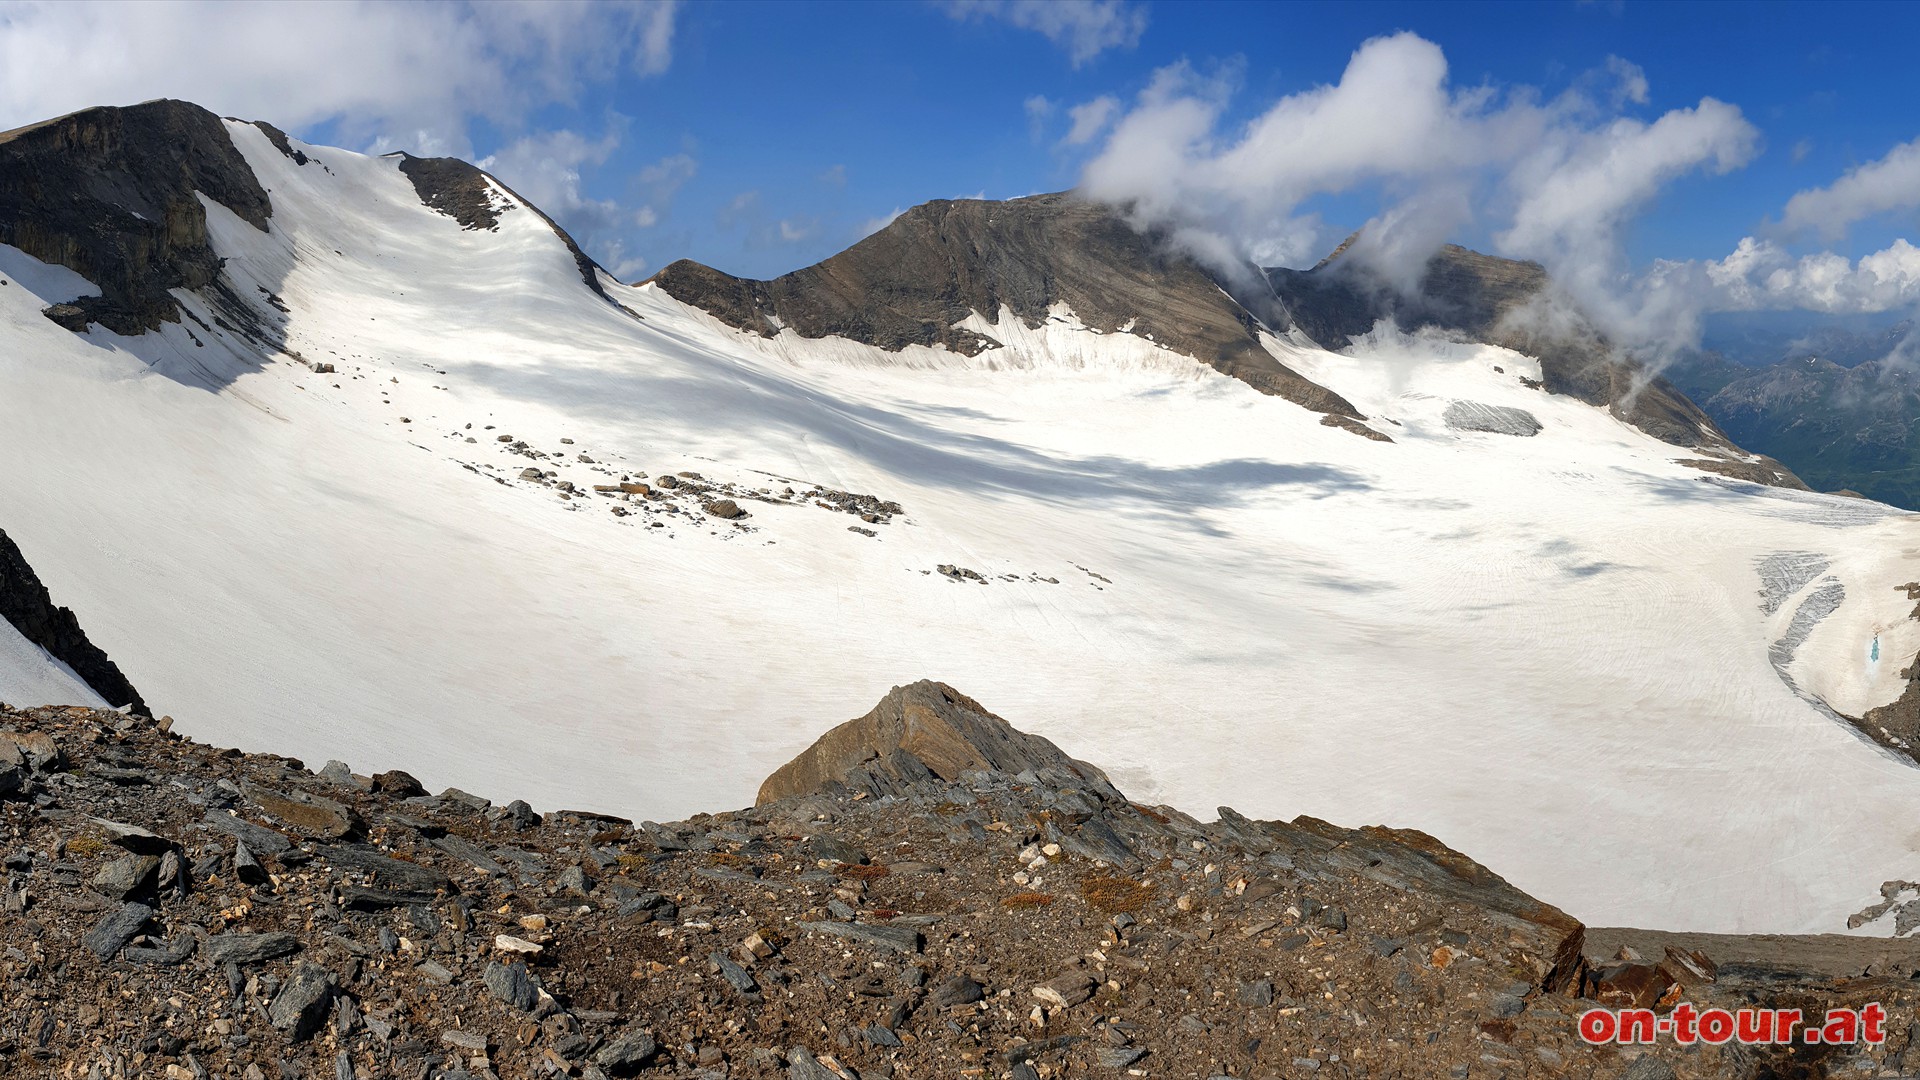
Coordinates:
[110,194]
[1476,295]
[464,192]
[924,731]
[25,603]
[934,265]
[909,283]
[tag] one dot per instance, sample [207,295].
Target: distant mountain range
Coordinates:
[1835,398]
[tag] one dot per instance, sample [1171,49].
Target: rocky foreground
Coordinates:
[927,892]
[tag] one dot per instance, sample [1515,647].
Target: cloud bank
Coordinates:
[411,75]
[1557,180]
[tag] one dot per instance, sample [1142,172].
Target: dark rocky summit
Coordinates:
[910,282]
[110,194]
[174,910]
[26,604]
[463,192]
[1477,297]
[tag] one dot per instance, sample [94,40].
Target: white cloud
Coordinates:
[874,225]
[1632,87]
[1759,274]
[546,170]
[1578,188]
[664,178]
[740,209]
[835,177]
[1878,187]
[1090,119]
[1556,178]
[1085,28]
[409,75]
[1039,111]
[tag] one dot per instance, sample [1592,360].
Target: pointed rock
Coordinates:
[917,732]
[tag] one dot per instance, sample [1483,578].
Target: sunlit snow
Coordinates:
[1555,653]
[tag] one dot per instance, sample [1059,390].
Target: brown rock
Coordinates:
[311,814]
[400,785]
[927,729]
[1066,991]
[1630,986]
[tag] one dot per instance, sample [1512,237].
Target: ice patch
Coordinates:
[1784,573]
[1499,419]
[1819,604]
[1810,507]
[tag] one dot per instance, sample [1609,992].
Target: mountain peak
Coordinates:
[110,193]
[942,261]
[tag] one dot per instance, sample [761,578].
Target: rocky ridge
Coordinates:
[938,263]
[179,910]
[914,281]
[112,193]
[1479,297]
[29,608]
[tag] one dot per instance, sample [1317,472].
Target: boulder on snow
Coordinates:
[725,508]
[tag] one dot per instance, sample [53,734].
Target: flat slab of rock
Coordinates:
[470,853]
[386,870]
[1066,991]
[513,984]
[138,840]
[122,878]
[301,1005]
[310,814]
[250,948]
[627,1053]
[113,932]
[356,898]
[900,939]
[258,837]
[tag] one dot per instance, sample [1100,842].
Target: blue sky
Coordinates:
[834,115]
[760,137]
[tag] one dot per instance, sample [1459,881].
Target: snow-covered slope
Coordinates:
[29,674]
[1601,673]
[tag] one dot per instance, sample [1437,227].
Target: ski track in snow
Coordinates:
[1545,651]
